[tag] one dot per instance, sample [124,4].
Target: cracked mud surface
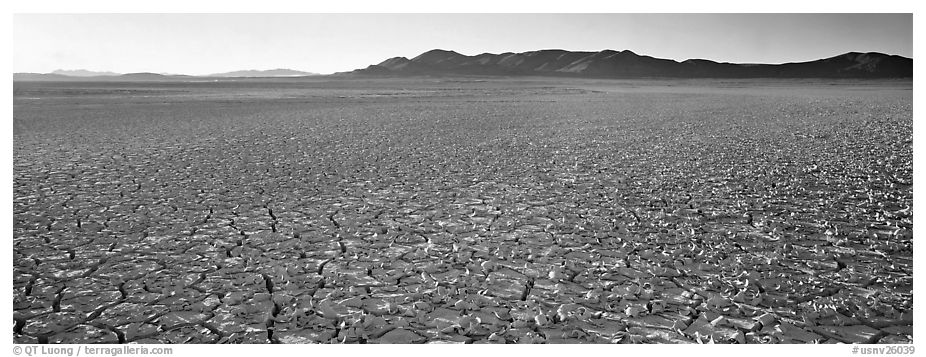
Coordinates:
[463,212]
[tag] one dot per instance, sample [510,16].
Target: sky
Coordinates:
[200,44]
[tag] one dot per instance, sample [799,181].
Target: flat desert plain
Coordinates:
[463,211]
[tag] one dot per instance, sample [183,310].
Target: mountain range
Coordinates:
[626,64]
[128,77]
[279,72]
[82,73]
[85,75]
[602,64]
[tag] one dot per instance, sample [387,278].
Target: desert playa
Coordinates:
[463,210]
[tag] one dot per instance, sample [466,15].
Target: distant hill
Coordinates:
[148,76]
[82,73]
[626,64]
[129,77]
[280,72]
[84,76]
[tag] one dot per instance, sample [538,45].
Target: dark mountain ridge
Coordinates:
[627,64]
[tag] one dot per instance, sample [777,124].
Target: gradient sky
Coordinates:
[325,43]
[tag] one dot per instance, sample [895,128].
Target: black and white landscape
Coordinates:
[537,197]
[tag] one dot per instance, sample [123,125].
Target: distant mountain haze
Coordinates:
[128,77]
[627,64]
[82,73]
[279,72]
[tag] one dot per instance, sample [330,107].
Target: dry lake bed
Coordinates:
[463,211]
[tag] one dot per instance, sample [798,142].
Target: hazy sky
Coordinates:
[326,43]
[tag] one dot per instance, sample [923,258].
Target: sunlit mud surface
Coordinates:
[460,211]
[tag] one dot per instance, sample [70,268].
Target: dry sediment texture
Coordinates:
[463,212]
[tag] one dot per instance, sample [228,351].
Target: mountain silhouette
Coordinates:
[82,73]
[128,77]
[279,72]
[627,64]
